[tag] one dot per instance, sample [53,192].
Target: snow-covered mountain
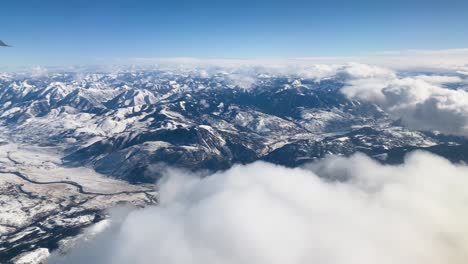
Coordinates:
[125,123]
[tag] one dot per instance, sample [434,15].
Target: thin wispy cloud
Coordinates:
[449,59]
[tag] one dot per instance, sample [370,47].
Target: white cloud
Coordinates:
[267,214]
[420,102]
[244,81]
[439,79]
[440,60]
[39,71]
[359,71]
[448,59]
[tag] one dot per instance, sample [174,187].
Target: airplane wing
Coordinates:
[2,44]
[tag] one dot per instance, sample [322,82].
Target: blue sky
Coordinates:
[53,32]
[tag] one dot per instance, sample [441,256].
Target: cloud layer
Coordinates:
[448,59]
[336,211]
[421,102]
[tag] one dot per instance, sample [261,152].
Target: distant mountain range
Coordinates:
[126,124]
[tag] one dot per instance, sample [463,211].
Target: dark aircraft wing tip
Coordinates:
[3,44]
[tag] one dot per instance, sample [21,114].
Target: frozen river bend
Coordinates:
[45,206]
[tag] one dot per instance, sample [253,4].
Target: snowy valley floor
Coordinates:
[44,206]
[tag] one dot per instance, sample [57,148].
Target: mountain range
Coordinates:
[126,124]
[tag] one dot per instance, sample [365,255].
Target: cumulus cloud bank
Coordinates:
[339,210]
[420,102]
